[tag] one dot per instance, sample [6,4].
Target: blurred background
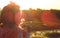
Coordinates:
[41,17]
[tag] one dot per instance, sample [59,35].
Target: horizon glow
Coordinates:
[26,4]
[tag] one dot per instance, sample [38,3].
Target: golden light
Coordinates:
[22,21]
[26,4]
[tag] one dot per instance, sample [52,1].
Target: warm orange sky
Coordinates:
[26,4]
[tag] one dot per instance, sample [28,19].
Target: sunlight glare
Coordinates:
[26,4]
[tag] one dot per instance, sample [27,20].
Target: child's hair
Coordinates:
[9,13]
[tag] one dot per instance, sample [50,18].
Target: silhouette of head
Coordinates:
[11,14]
